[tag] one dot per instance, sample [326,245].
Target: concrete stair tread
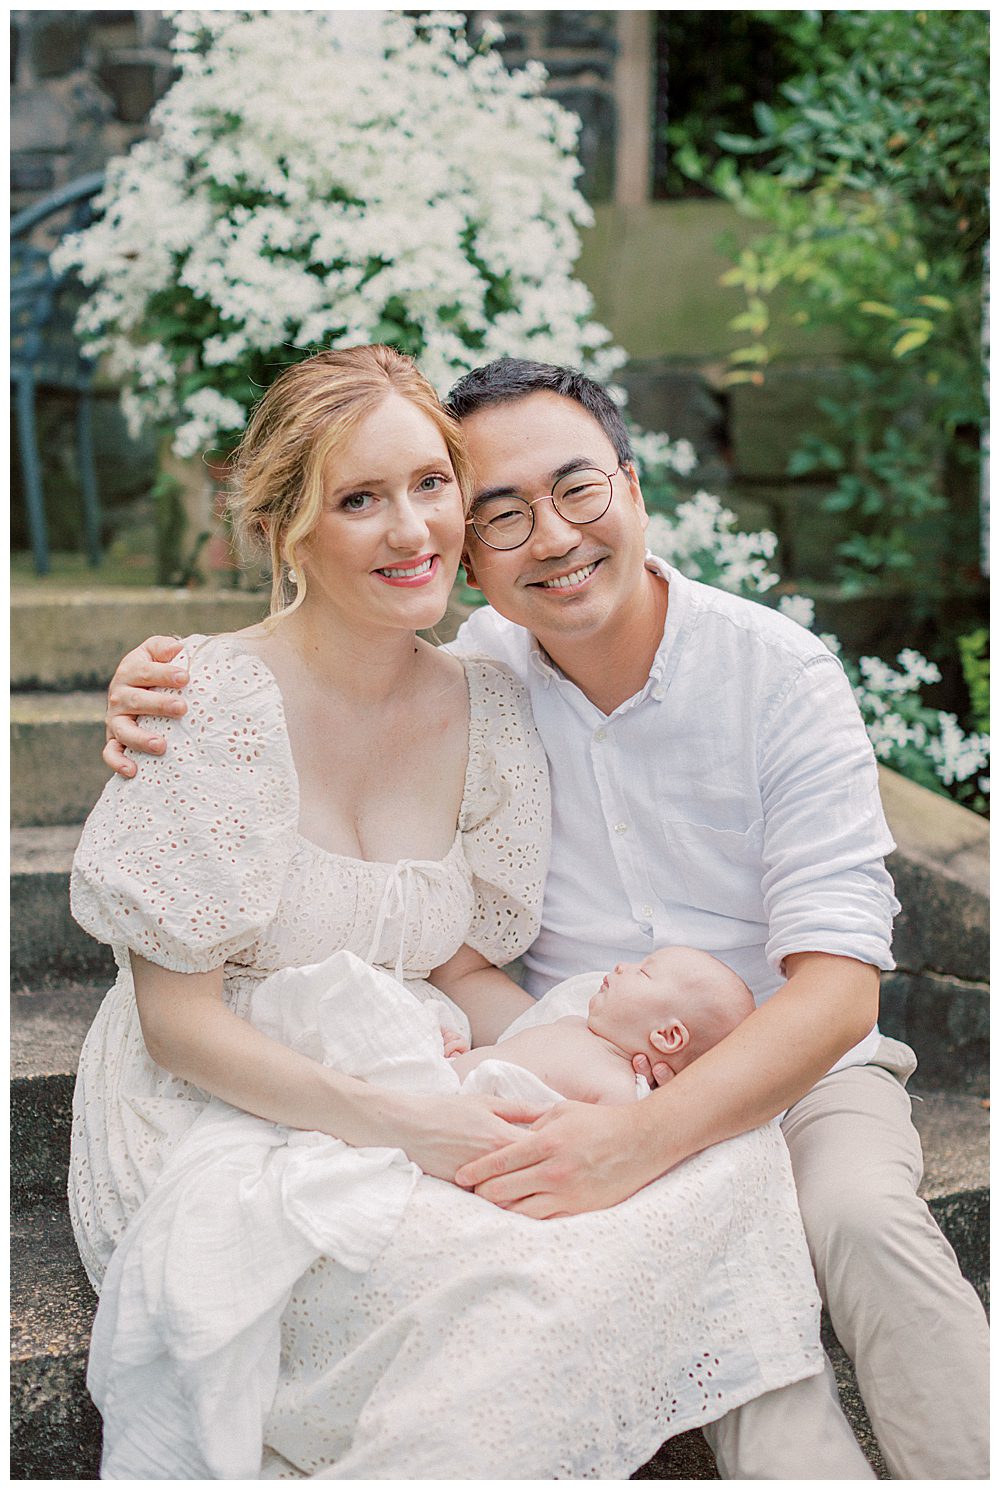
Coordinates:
[954,1130]
[55,1425]
[48,849]
[54,708]
[52,1302]
[52,1307]
[48,1027]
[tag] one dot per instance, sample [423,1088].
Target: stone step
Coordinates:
[72,639]
[56,1431]
[48,1026]
[56,770]
[45,941]
[55,1428]
[47,1031]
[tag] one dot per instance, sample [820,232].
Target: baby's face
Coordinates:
[638,997]
[681,999]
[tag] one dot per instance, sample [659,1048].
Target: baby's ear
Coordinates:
[671,1039]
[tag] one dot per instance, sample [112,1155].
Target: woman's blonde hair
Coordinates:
[276,480]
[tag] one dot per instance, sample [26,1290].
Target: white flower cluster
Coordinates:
[656,450]
[699,538]
[889,701]
[326,178]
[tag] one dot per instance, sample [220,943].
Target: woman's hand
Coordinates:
[443,1133]
[133,691]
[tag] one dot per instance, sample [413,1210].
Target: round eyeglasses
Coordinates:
[580,497]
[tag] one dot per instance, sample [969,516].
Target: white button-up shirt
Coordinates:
[731,805]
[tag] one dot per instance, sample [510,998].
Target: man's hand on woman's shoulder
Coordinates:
[134,691]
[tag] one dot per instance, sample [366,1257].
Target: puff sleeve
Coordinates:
[184,863]
[505,819]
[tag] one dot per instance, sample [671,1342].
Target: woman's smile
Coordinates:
[420,572]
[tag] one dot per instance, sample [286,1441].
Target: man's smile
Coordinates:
[571,579]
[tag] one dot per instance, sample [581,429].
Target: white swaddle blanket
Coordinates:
[185,1350]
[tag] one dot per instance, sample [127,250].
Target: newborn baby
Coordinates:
[671,1007]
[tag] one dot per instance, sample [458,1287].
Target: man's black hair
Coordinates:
[510,378]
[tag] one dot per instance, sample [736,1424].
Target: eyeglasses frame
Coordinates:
[470,522]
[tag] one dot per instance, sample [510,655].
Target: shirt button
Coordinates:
[621,827]
[647,911]
[600,734]
[658,692]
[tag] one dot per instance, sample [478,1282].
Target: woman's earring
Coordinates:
[293,576]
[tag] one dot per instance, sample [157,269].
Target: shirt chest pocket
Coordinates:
[713,868]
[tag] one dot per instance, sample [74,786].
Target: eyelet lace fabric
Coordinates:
[476,1344]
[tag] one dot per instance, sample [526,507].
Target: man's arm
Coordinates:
[829,906]
[580,1158]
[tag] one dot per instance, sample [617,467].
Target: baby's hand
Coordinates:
[454,1044]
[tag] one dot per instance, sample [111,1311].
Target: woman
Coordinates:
[341,789]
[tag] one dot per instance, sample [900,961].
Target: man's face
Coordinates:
[520,448]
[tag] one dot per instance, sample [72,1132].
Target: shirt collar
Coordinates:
[540,661]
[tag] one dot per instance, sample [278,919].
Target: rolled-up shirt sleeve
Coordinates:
[825,885]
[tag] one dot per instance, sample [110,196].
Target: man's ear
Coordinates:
[470,573]
[671,1039]
[635,492]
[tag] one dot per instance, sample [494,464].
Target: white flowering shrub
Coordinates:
[927,745]
[326,178]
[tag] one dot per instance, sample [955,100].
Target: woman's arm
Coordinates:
[485,994]
[189,1031]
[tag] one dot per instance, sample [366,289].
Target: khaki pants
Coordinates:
[912,1325]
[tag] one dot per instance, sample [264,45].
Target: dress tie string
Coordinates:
[397,898]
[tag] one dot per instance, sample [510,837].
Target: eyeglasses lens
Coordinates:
[506,522]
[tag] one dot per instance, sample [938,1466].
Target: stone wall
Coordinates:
[84,82]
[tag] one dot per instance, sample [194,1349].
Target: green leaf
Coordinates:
[877,308]
[755,354]
[909,343]
[934,302]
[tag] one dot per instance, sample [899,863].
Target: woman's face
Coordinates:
[386,548]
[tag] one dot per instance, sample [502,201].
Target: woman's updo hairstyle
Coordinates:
[276,482]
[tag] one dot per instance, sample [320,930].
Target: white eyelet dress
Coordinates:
[298,1329]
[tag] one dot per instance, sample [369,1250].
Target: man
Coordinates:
[713,786]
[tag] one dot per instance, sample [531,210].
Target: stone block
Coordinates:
[31,175]
[767,423]
[134,85]
[56,770]
[75,639]
[947,1024]
[44,938]
[40,121]
[596,147]
[809,534]
[941,872]
[593,29]
[55,1428]
[57,41]
[678,400]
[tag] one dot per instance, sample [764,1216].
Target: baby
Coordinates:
[671,1007]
